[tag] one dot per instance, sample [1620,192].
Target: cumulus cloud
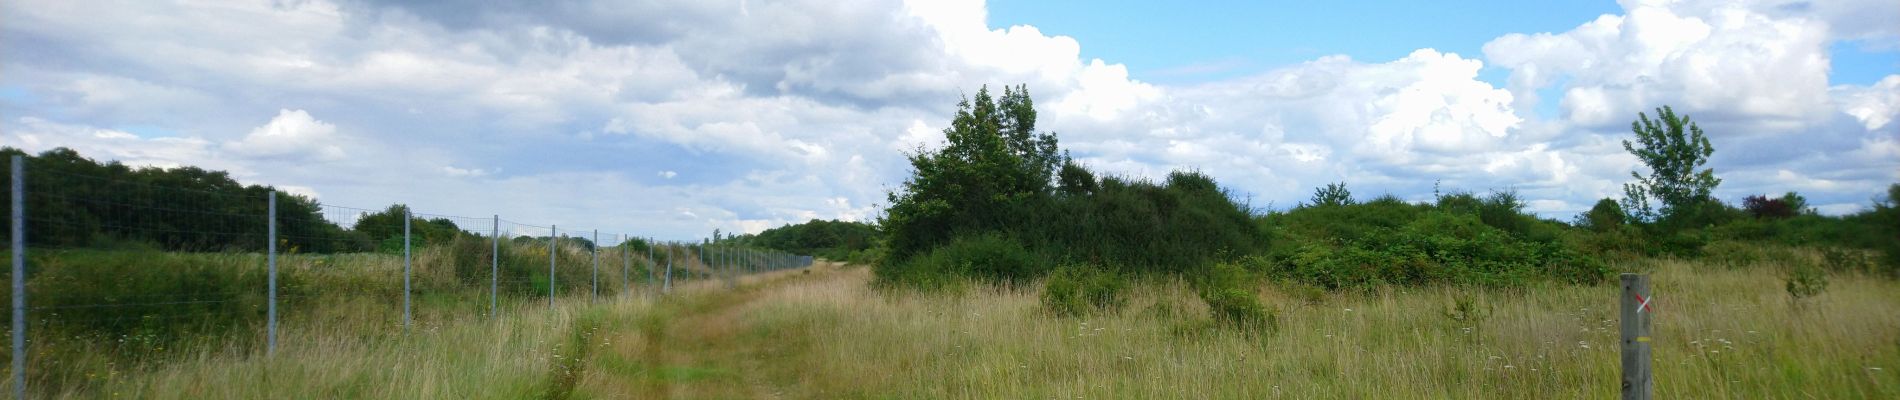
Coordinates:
[1713,63]
[757,114]
[292,133]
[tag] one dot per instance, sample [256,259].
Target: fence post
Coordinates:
[1635,317]
[494,264]
[596,277]
[667,287]
[554,237]
[626,265]
[19,276]
[651,265]
[270,250]
[406,260]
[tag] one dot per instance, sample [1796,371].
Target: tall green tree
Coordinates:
[1675,150]
[993,168]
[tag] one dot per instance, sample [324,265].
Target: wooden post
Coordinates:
[1636,311]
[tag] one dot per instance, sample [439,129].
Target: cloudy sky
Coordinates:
[674,118]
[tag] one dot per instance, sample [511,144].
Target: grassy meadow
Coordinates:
[826,332]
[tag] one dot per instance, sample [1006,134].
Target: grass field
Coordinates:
[1721,332]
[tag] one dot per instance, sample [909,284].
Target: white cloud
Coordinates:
[292,133]
[759,114]
[1875,106]
[1705,62]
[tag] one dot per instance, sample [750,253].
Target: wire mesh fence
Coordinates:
[114,266]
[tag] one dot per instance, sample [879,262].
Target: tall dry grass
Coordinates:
[1720,333]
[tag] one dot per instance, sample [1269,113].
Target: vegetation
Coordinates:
[999,203]
[833,239]
[1002,269]
[1673,155]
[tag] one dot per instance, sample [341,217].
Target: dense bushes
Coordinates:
[833,240]
[1462,239]
[1080,289]
[996,181]
[1227,289]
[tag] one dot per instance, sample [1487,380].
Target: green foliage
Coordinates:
[142,300]
[385,228]
[1466,310]
[76,202]
[1836,259]
[1074,290]
[1228,290]
[834,240]
[991,257]
[1387,241]
[991,174]
[1805,281]
[1673,148]
[1140,227]
[994,180]
[1605,216]
[1331,195]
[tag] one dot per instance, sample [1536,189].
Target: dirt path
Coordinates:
[691,344]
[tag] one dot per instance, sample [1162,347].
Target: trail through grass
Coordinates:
[825,334]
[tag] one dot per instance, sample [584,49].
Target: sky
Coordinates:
[672,119]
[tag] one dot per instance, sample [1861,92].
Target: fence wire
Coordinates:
[127,268]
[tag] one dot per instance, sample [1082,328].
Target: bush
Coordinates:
[991,257]
[1805,281]
[1227,289]
[1074,290]
[1836,259]
[1379,243]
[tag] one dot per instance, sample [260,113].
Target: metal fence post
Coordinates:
[596,267]
[406,261]
[270,251]
[1635,317]
[494,266]
[667,287]
[626,263]
[19,276]
[553,238]
[651,265]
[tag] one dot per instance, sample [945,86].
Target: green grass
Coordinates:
[1721,331]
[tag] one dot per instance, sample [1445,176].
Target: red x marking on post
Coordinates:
[1645,303]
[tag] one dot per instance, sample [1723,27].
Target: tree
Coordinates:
[1675,150]
[1334,194]
[993,169]
[1604,216]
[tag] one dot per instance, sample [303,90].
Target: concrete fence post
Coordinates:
[18,211]
[596,277]
[270,257]
[494,265]
[407,262]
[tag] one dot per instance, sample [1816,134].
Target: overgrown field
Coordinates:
[1723,331]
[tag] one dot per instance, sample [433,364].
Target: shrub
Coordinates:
[1805,281]
[1760,206]
[1074,290]
[991,257]
[1227,289]
[1836,259]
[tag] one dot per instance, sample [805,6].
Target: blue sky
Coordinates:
[1201,41]
[674,118]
